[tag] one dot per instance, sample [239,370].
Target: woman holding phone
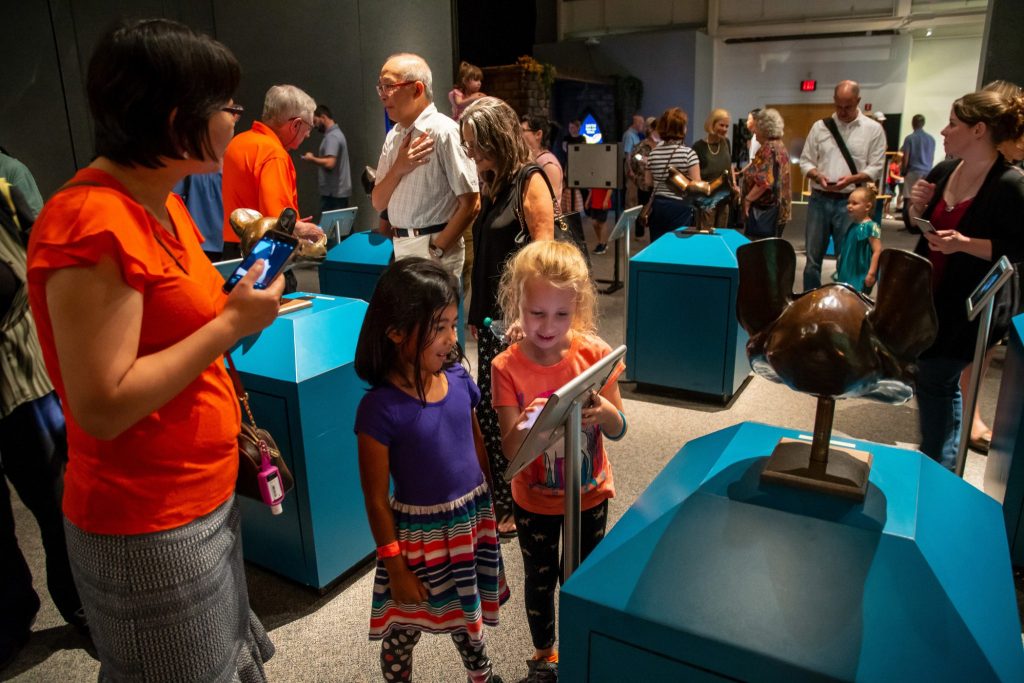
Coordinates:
[974,201]
[133,326]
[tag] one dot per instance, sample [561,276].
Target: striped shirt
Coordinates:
[427,195]
[667,154]
[21,358]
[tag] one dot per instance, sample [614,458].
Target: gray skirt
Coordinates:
[171,605]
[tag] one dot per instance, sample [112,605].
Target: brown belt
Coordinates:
[831,195]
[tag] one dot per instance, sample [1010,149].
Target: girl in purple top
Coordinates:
[439,566]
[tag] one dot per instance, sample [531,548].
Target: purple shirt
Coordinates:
[431,448]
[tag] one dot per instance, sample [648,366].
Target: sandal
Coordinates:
[509,530]
[980,444]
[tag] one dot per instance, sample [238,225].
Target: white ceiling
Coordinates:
[752,19]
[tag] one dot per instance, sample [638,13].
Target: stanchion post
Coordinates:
[571,476]
[971,399]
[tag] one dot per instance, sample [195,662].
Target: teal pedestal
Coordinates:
[304,390]
[1004,467]
[712,576]
[682,332]
[354,265]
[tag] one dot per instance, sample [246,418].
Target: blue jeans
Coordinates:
[33,451]
[825,216]
[328,203]
[940,408]
[667,215]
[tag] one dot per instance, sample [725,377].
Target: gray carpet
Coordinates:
[323,638]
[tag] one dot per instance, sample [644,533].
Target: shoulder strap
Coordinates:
[520,189]
[834,129]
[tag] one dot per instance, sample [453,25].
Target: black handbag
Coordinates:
[253,444]
[568,226]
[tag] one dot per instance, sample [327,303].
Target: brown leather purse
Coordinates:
[253,442]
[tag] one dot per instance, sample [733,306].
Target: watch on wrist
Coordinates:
[435,251]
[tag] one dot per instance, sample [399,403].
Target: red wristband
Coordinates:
[389,550]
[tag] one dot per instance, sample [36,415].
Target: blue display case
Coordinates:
[712,576]
[354,265]
[682,331]
[303,389]
[1004,467]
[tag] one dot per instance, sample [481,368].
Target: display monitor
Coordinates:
[338,224]
[545,429]
[990,284]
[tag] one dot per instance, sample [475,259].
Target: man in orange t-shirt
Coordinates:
[258,172]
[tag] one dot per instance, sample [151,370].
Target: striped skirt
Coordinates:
[454,550]
[171,605]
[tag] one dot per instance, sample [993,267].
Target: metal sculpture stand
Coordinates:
[981,303]
[818,466]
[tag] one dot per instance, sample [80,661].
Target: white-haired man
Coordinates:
[425,181]
[258,173]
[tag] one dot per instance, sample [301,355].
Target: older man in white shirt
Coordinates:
[832,178]
[425,181]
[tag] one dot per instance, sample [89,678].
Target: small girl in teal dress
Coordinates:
[858,258]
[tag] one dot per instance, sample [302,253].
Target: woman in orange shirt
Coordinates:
[133,325]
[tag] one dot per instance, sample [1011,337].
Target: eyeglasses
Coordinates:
[235,110]
[299,118]
[386,89]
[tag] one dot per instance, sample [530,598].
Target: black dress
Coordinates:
[494,242]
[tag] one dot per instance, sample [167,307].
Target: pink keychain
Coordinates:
[270,481]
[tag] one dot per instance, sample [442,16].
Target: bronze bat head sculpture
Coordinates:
[250,225]
[834,341]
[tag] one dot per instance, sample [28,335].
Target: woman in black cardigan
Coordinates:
[976,203]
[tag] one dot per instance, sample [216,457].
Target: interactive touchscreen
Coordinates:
[990,284]
[276,249]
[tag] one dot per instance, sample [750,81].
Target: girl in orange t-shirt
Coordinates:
[547,290]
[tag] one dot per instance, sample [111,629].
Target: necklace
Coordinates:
[959,190]
[714,150]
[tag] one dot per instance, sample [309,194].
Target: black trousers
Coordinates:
[33,452]
[542,563]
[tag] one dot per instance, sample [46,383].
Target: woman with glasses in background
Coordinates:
[493,139]
[133,326]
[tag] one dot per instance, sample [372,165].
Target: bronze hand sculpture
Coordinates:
[250,225]
[834,342]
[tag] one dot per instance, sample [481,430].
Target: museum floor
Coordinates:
[323,637]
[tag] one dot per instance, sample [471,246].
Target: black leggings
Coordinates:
[487,348]
[538,541]
[396,656]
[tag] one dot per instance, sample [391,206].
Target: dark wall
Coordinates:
[332,50]
[497,32]
[1003,51]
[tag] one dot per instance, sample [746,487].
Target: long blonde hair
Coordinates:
[558,263]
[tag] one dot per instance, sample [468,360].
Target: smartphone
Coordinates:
[924,225]
[276,248]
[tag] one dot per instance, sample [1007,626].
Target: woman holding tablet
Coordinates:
[975,202]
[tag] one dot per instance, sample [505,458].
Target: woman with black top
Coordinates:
[975,201]
[493,139]
[715,157]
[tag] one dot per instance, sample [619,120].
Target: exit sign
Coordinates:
[808,86]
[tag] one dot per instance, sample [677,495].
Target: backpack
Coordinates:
[638,164]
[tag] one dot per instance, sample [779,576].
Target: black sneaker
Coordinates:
[601,249]
[542,671]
